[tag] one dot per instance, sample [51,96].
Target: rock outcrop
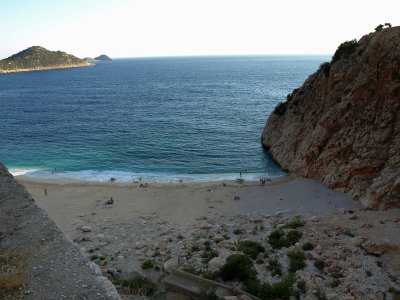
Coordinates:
[53,267]
[342,126]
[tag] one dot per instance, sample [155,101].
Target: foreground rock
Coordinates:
[342,126]
[48,264]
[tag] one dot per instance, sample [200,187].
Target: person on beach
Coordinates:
[109,202]
[45,192]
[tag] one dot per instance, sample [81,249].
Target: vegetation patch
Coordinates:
[280,109]
[238,231]
[139,285]
[295,223]
[267,291]
[296,260]
[348,233]
[238,267]
[319,264]
[207,291]
[250,248]
[274,267]
[326,68]
[208,255]
[344,50]
[148,264]
[13,273]
[308,246]
[278,239]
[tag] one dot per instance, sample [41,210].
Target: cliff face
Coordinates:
[49,266]
[342,126]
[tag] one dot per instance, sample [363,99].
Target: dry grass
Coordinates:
[13,273]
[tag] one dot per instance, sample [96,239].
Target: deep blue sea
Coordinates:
[160,119]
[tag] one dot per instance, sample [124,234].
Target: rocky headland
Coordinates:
[342,126]
[37,58]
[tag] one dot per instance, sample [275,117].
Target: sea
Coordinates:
[167,119]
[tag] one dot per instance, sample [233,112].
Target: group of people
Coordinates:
[264,180]
[236,198]
[109,202]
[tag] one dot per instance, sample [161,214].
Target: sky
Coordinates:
[145,28]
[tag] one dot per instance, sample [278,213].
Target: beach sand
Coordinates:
[182,203]
[174,222]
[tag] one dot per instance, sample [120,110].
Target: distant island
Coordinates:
[37,58]
[102,57]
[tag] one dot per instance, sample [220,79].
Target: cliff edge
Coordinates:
[37,261]
[342,126]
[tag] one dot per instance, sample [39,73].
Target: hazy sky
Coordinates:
[122,28]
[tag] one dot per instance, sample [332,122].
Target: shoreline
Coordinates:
[183,203]
[31,180]
[46,68]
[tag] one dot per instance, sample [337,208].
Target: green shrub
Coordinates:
[195,247]
[138,285]
[296,260]
[207,291]
[266,291]
[292,237]
[348,233]
[275,267]
[276,239]
[319,264]
[148,264]
[326,68]
[94,257]
[208,255]
[280,109]
[301,285]
[191,270]
[238,267]
[344,50]
[250,248]
[337,275]
[295,223]
[238,231]
[308,246]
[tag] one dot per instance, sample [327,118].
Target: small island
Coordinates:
[37,58]
[103,57]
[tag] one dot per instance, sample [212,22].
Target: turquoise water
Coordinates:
[159,119]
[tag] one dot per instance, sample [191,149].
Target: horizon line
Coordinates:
[216,55]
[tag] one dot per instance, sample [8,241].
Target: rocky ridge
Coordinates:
[342,126]
[52,267]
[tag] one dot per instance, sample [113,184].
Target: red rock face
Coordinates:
[342,126]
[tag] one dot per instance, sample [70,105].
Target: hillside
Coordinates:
[38,58]
[342,126]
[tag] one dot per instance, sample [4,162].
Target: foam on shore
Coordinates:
[126,177]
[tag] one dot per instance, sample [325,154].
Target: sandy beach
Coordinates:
[182,203]
[183,224]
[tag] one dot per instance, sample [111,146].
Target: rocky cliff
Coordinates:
[342,126]
[37,261]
